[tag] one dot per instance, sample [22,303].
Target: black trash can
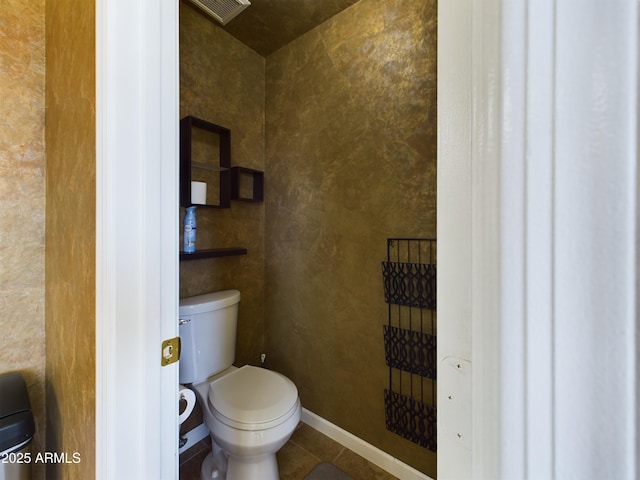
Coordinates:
[16,428]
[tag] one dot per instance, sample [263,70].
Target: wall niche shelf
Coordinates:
[212,253]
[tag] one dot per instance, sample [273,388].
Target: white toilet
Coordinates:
[250,412]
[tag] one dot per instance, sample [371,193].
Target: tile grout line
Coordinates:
[305,450]
[339,454]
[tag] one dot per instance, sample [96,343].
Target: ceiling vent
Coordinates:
[222,10]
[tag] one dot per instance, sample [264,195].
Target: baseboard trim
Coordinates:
[373,454]
[193,436]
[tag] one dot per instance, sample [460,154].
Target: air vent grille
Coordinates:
[222,10]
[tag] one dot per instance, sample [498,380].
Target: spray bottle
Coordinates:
[190,230]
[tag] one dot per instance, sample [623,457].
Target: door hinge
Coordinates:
[170,351]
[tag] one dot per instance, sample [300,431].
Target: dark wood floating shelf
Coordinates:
[215,252]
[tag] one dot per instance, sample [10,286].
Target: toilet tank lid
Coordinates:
[208,302]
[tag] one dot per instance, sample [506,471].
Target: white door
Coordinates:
[137,238]
[538,239]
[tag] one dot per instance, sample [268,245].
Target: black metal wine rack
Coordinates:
[409,277]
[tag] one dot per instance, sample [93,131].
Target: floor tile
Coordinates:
[306,449]
[323,447]
[294,462]
[359,468]
[190,468]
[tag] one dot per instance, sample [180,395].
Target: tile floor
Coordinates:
[305,449]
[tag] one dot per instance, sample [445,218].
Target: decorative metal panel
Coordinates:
[410,284]
[410,351]
[409,278]
[411,419]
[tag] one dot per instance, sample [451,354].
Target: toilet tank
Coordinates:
[207,328]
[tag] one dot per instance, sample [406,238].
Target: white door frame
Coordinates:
[137,237]
[538,153]
[538,268]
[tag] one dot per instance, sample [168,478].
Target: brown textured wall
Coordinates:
[351,160]
[222,81]
[268,25]
[70,235]
[22,199]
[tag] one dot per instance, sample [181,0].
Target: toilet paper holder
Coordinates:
[189,397]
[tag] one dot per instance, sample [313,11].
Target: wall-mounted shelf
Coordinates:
[205,156]
[213,168]
[409,277]
[212,253]
[247,184]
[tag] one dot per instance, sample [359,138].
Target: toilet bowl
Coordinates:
[250,412]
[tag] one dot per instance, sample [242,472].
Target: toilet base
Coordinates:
[264,467]
[209,470]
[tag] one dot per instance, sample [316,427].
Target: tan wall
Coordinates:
[22,200]
[350,145]
[222,81]
[351,161]
[70,235]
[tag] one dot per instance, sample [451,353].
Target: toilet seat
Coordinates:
[252,398]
